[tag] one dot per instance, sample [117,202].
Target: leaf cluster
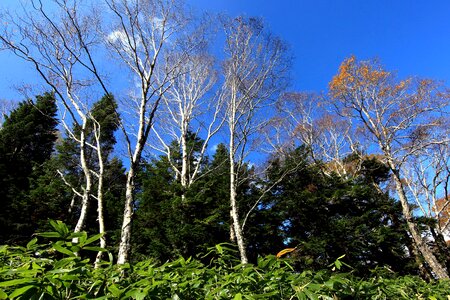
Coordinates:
[56,270]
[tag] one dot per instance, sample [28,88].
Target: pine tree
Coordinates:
[26,142]
[328,216]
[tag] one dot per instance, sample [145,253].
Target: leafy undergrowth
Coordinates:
[54,271]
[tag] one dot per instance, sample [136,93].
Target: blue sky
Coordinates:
[412,37]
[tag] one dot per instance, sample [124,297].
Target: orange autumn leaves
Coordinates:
[368,76]
[285,251]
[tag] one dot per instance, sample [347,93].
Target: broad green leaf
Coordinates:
[137,294]
[63,250]
[93,238]
[115,291]
[16,282]
[238,296]
[60,227]
[93,248]
[31,243]
[50,234]
[63,262]
[3,295]
[20,291]
[79,235]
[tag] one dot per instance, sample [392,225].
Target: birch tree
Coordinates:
[6,106]
[58,38]
[67,42]
[305,119]
[399,118]
[189,107]
[255,71]
[427,177]
[139,37]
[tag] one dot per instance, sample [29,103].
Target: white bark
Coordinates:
[254,73]
[140,33]
[88,182]
[100,192]
[188,109]
[305,120]
[59,47]
[418,239]
[400,118]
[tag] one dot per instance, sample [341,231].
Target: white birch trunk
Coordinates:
[236,227]
[88,181]
[418,240]
[100,215]
[124,246]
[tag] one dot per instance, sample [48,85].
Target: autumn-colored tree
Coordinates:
[399,118]
[442,209]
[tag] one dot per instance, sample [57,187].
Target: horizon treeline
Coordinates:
[121,144]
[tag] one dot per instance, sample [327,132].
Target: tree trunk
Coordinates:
[236,227]
[424,270]
[124,246]
[184,164]
[88,180]
[441,246]
[100,215]
[418,240]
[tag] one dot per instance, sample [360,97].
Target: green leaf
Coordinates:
[79,235]
[92,248]
[50,234]
[31,243]
[60,227]
[238,296]
[3,295]
[137,294]
[63,250]
[20,291]
[93,238]
[16,282]
[115,291]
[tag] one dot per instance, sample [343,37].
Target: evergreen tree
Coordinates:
[67,162]
[166,224]
[59,199]
[326,217]
[26,143]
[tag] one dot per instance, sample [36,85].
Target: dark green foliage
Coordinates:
[168,225]
[67,161]
[52,271]
[327,216]
[26,143]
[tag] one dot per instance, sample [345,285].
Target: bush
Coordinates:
[57,270]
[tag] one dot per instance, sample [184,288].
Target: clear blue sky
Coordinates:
[412,37]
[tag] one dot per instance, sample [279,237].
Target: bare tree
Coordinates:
[190,108]
[305,119]
[139,35]
[255,70]
[57,40]
[6,106]
[67,41]
[427,176]
[400,118]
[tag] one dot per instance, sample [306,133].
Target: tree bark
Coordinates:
[236,227]
[438,270]
[88,181]
[100,211]
[124,246]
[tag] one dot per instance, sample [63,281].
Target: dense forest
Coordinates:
[175,142]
